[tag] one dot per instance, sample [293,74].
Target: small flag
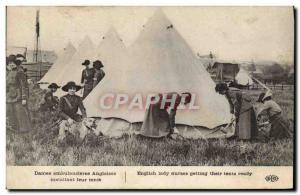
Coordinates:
[37,23]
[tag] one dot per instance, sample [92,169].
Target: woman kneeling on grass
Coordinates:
[70,103]
[158,122]
[280,127]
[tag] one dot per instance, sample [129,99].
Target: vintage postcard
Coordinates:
[150,97]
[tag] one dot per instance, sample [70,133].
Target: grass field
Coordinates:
[39,148]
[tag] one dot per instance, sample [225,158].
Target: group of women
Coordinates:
[241,106]
[246,113]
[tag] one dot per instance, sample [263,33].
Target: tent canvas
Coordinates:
[111,51]
[55,71]
[73,70]
[160,61]
[243,78]
[116,128]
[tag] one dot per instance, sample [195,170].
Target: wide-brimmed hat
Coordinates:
[20,56]
[11,58]
[86,62]
[97,64]
[69,85]
[53,85]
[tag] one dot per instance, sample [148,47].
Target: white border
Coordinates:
[4,3]
[152,2]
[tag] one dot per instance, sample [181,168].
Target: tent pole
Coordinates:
[263,85]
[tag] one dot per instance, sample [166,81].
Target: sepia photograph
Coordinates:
[126,87]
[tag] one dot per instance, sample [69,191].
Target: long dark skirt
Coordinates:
[246,125]
[156,122]
[87,89]
[280,127]
[18,117]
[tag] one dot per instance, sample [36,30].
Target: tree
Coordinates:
[276,73]
[252,67]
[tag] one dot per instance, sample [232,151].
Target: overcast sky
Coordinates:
[231,33]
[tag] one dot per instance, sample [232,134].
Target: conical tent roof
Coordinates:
[160,61]
[113,54]
[243,77]
[111,51]
[111,40]
[64,56]
[73,70]
[68,51]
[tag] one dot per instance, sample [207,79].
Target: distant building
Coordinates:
[47,56]
[206,60]
[224,71]
[35,70]
[258,73]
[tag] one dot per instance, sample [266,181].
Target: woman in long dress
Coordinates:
[16,98]
[99,73]
[87,78]
[243,110]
